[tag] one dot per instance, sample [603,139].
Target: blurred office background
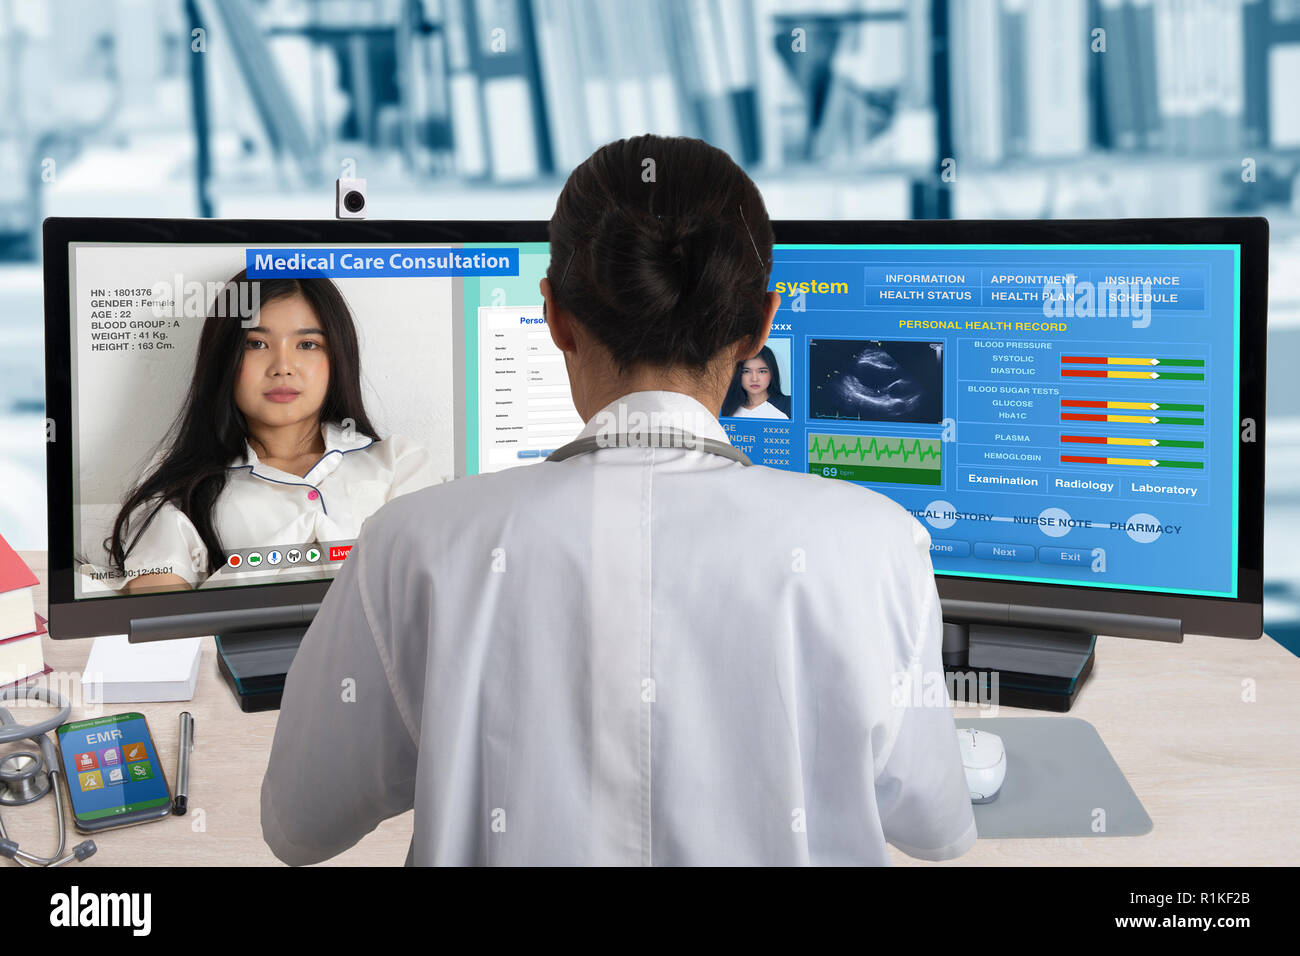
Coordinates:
[464,109]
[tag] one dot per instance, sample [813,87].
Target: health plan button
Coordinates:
[1004,552]
[950,549]
[1064,556]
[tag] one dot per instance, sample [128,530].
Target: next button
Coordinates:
[1063,556]
[1004,552]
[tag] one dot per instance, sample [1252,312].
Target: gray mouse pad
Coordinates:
[1061,782]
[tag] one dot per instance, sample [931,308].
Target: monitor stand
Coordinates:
[256,662]
[1006,665]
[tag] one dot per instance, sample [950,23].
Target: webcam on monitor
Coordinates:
[349,199]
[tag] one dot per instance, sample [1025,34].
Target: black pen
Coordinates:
[183,763]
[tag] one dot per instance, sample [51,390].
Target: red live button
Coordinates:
[338,553]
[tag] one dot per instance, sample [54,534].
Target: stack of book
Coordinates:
[21,628]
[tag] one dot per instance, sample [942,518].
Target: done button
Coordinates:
[1004,552]
[951,549]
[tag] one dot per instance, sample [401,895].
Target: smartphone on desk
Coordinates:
[113,773]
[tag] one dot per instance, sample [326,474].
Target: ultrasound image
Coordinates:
[876,381]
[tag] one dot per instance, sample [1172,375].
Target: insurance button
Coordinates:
[1004,552]
[1063,556]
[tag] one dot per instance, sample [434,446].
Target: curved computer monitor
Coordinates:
[148,326]
[1074,409]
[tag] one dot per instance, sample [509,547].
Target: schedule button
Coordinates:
[1004,552]
[950,549]
[1064,556]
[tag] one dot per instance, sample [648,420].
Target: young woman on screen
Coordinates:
[756,389]
[272,449]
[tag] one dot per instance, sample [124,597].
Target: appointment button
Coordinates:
[1004,552]
[1064,556]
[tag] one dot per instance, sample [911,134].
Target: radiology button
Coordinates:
[1063,556]
[1004,552]
[1084,487]
[950,549]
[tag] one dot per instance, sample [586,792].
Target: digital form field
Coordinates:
[525,406]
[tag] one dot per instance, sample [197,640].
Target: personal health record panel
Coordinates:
[1056,414]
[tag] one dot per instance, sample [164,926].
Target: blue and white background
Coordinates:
[463,109]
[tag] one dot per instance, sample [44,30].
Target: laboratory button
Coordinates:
[1004,552]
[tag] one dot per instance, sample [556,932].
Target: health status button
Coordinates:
[950,549]
[1004,552]
[1064,556]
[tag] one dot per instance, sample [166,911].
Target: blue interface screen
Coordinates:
[1054,414]
[111,767]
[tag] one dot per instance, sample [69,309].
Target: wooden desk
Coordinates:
[231,749]
[1219,776]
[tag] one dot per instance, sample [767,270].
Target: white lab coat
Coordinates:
[263,507]
[636,656]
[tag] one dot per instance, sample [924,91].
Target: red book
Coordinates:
[17,598]
[22,657]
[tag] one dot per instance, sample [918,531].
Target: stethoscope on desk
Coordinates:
[658,438]
[21,779]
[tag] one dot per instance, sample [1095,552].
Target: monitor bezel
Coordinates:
[1240,617]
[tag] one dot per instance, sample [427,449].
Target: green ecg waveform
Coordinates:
[877,449]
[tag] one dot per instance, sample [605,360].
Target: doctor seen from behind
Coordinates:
[567,663]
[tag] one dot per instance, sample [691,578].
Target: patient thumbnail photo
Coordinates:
[761,386]
[244,449]
[869,381]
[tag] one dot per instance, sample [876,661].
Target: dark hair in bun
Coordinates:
[667,271]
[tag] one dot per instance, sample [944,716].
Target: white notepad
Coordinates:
[118,672]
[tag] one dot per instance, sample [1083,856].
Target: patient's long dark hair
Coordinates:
[210,432]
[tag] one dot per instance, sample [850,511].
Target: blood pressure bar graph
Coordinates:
[1141,413]
[1133,367]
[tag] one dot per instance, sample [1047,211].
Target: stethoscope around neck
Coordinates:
[26,776]
[656,438]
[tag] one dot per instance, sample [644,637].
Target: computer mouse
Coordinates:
[985,761]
